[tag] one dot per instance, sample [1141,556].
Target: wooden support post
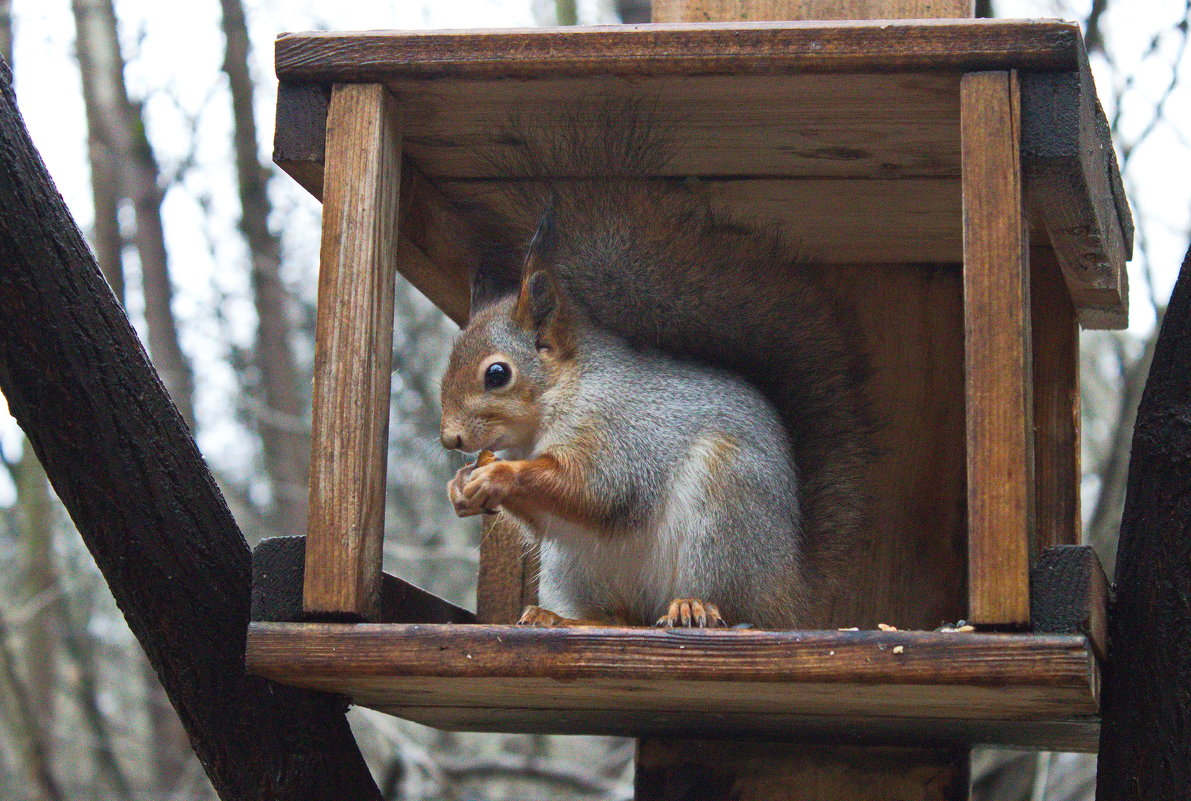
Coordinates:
[353,354]
[997,354]
[508,579]
[1055,338]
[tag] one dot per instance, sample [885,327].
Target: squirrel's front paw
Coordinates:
[691,613]
[482,489]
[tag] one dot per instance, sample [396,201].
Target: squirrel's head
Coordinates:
[513,351]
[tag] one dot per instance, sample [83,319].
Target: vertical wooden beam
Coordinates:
[734,10]
[353,354]
[997,356]
[508,579]
[1055,337]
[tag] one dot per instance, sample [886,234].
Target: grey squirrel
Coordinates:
[677,398]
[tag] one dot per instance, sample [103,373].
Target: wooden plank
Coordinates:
[1074,188]
[727,10]
[278,565]
[730,48]
[1069,734]
[683,676]
[353,354]
[1057,473]
[710,769]
[1069,594]
[997,354]
[298,652]
[508,573]
[910,572]
[434,252]
[866,125]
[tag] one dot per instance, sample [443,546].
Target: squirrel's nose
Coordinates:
[451,441]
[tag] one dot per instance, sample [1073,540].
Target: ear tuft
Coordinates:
[541,251]
[541,297]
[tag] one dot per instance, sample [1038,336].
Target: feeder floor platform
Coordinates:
[1025,690]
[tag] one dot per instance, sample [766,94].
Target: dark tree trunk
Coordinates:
[283,421]
[124,465]
[1145,744]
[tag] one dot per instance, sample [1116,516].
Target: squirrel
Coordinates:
[678,399]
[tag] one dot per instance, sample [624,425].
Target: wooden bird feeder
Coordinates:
[956,182]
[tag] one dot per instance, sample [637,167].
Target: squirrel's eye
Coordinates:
[497,375]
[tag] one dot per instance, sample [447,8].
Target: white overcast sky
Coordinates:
[175,50]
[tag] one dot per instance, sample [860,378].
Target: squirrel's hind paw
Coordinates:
[691,613]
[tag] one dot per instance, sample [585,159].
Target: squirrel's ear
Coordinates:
[542,309]
[538,303]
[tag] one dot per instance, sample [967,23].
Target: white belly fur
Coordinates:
[585,571]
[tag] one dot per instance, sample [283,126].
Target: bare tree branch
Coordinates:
[37,752]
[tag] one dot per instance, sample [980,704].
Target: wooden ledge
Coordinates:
[1033,690]
[738,48]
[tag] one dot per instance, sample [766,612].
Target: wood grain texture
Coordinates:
[1074,187]
[434,251]
[910,572]
[731,10]
[1069,593]
[1057,473]
[353,354]
[997,356]
[278,565]
[654,675]
[736,48]
[698,770]
[508,572]
[877,126]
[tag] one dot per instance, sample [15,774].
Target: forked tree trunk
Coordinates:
[120,457]
[282,422]
[1145,743]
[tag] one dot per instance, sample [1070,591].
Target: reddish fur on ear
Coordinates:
[543,309]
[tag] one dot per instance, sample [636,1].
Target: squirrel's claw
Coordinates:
[691,613]
[538,617]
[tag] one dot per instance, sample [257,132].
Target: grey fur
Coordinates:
[730,535]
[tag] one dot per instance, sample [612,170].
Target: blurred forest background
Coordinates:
[156,121]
